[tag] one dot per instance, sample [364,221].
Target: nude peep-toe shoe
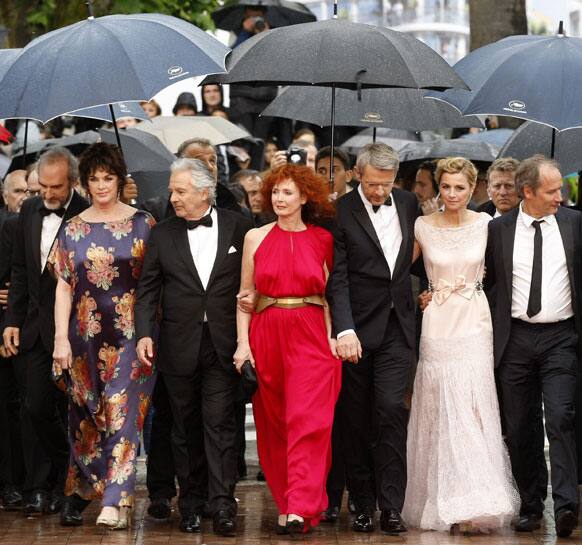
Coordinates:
[109,517]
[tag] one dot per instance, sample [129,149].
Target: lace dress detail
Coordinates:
[458,467]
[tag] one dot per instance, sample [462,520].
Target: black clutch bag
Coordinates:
[249,378]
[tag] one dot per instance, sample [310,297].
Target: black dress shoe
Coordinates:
[35,505]
[190,524]
[71,514]
[294,527]
[160,508]
[11,499]
[260,476]
[528,523]
[54,504]
[566,521]
[364,522]
[281,529]
[331,514]
[391,523]
[224,524]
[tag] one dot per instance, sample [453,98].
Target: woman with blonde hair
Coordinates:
[459,470]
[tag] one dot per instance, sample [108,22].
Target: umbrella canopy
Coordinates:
[147,160]
[529,77]
[339,53]
[532,138]
[104,60]
[497,137]
[396,139]
[76,144]
[278,13]
[7,57]
[120,109]
[437,149]
[394,108]
[172,131]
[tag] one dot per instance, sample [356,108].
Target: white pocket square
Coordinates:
[232,250]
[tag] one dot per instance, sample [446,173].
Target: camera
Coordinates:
[259,25]
[296,156]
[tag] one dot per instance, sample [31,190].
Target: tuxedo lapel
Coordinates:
[402,218]
[36,233]
[362,217]
[183,247]
[225,230]
[565,226]
[508,242]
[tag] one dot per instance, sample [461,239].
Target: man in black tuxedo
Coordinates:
[370,294]
[193,261]
[29,333]
[501,187]
[533,263]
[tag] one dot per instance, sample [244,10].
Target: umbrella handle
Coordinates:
[114,121]
[331,169]
[25,144]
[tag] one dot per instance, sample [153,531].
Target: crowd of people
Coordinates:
[116,315]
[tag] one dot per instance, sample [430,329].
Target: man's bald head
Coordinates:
[14,190]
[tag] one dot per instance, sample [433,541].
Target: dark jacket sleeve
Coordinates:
[18,295]
[338,285]
[148,289]
[6,248]
[490,276]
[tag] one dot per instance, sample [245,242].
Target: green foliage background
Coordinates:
[26,19]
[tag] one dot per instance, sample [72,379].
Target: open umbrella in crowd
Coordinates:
[278,13]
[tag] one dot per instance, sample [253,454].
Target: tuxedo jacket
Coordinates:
[7,234]
[32,293]
[361,288]
[169,271]
[499,271]
[487,207]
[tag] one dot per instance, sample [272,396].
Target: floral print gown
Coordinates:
[109,390]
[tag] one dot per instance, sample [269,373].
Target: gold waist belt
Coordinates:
[288,302]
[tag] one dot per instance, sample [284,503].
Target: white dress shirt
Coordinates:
[387,226]
[497,214]
[203,243]
[50,228]
[556,294]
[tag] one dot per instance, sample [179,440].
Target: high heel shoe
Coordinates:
[124,518]
[109,517]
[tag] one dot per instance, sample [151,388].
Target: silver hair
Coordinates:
[8,179]
[201,176]
[378,155]
[59,153]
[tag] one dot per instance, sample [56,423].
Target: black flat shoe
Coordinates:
[363,523]
[190,524]
[224,524]
[528,523]
[11,499]
[331,514]
[281,529]
[54,504]
[35,505]
[160,508]
[566,521]
[391,523]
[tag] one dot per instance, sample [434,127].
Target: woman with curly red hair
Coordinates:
[289,341]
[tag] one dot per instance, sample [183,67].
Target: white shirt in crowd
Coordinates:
[203,243]
[556,294]
[50,228]
[387,227]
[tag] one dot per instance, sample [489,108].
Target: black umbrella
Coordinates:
[278,13]
[394,108]
[338,53]
[76,144]
[147,159]
[437,149]
[396,139]
[532,138]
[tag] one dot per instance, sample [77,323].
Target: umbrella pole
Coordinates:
[331,169]
[114,121]
[553,147]
[374,135]
[25,144]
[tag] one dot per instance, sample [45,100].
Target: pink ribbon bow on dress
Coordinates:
[444,289]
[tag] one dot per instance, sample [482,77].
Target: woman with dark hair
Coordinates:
[151,108]
[97,259]
[289,341]
[212,99]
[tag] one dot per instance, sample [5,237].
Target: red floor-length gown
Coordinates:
[299,379]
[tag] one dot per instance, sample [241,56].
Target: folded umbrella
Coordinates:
[278,13]
[394,108]
[172,131]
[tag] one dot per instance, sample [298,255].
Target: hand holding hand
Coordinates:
[333,346]
[349,348]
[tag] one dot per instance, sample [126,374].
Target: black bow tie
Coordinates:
[44,211]
[204,221]
[387,202]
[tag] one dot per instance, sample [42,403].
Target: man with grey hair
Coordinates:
[501,187]
[29,334]
[370,294]
[535,290]
[193,261]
